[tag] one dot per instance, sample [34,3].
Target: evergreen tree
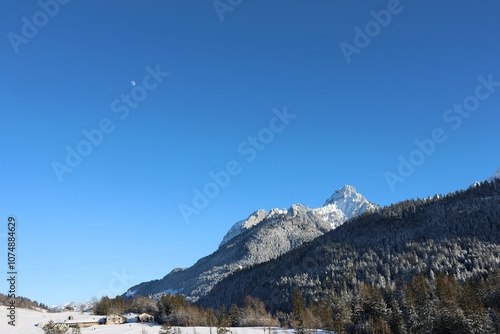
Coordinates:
[474,311]
[224,321]
[52,328]
[298,312]
[396,320]
[423,305]
[103,306]
[234,315]
[211,319]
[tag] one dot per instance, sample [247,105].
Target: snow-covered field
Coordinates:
[27,321]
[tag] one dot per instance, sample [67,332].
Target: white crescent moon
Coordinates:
[133,83]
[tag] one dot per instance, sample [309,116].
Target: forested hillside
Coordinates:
[416,260]
[22,302]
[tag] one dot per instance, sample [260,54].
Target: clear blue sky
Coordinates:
[118,211]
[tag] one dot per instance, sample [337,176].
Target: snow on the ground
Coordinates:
[28,321]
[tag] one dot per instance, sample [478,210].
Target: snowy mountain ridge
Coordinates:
[74,306]
[245,224]
[345,203]
[261,237]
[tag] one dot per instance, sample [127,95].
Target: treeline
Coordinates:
[423,305]
[176,311]
[22,302]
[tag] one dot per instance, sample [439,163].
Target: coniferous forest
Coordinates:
[419,266]
[440,304]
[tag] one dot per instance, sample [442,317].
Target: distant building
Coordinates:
[115,319]
[145,318]
[82,324]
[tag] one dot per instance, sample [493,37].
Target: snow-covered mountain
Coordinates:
[74,306]
[344,204]
[263,236]
[457,234]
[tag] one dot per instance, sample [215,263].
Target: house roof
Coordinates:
[145,314]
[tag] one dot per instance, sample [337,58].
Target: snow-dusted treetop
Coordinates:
[496,176]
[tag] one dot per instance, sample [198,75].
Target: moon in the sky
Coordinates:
[132,83]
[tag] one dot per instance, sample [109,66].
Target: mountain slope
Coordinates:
[261,237]
[458,234]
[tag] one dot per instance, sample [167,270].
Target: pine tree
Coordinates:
[223,320]
[397,318]
[298,312]
[52,328]
[103,307]
[477,316]
[326,315]
[234,315]
[211,319]
[423,304]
